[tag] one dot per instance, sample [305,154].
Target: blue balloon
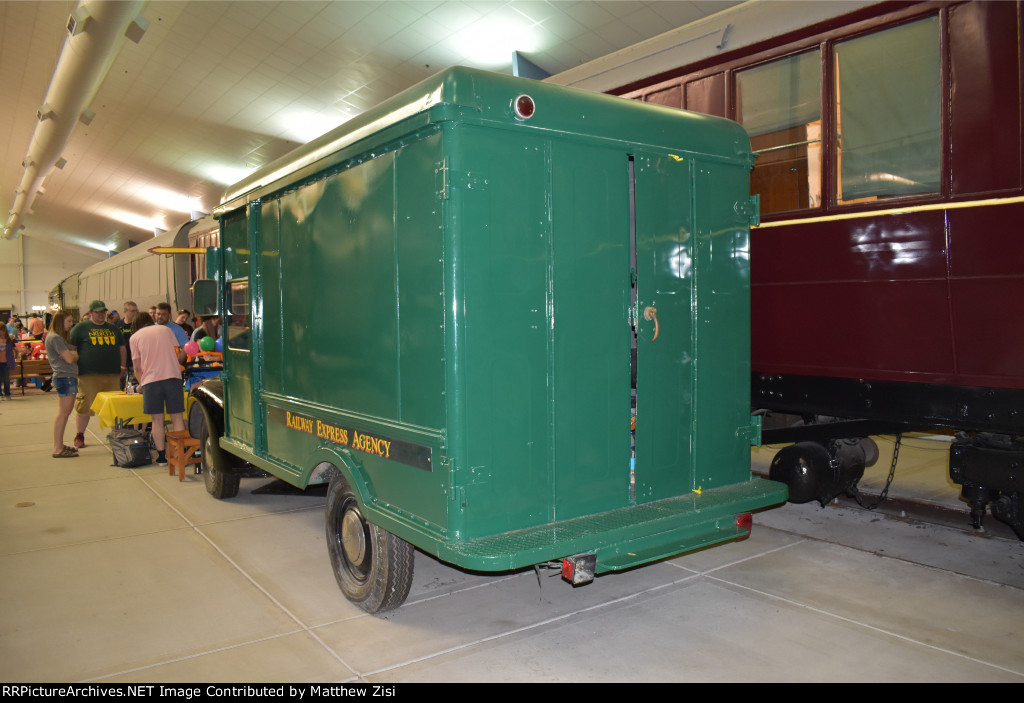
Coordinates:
[219,346]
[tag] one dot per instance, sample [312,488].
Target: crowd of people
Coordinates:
[35,328]
[16,343]
[109,352]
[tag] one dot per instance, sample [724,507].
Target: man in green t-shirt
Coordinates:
[101,360]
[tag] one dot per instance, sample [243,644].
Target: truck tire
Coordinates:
[219,484]
[195,420]
[373,567]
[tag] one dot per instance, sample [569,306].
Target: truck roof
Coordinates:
[472,95]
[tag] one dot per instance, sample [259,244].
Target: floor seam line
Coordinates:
[865,625]
[197,529]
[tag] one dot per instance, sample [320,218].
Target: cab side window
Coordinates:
[239,334]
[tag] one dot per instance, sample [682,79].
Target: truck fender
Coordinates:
[209,399]
[209,395]
[332,462]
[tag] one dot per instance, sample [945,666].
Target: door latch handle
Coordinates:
[651,313]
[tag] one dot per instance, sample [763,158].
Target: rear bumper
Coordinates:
[625,537]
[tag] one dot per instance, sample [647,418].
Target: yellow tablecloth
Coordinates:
[111,406]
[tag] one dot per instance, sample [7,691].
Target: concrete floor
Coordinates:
[128,575]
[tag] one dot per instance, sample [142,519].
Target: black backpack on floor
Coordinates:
[130,448]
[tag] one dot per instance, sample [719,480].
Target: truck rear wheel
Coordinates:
[372,566]
[219,483]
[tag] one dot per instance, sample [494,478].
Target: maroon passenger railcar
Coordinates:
[888,271]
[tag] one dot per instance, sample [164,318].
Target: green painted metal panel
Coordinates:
[722,330]
[420,281]
[442,298]
[665,413]
[590,373]
[497,185]
[338,260]
[358,271]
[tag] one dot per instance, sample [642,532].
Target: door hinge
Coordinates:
[442,175]
[750,209]
[751,432]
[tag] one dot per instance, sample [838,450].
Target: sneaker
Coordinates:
[161,458]
[80,440]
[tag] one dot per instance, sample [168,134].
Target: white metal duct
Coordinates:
[96,31]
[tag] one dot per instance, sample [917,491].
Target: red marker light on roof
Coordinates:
[524,107]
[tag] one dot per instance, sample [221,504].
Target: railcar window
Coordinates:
[779,103]
[239,337]
[887,94]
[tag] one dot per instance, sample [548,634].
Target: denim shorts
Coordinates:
[66,386]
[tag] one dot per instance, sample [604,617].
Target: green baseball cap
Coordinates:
[97,305]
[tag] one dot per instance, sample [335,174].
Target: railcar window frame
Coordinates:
[826,40]
[894,183]
[785,133]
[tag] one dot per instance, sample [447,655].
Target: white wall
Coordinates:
[31,266]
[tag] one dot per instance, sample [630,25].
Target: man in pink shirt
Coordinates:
[155,357]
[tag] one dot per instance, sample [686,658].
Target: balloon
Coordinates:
[191,348]
[206,344]
[219,346]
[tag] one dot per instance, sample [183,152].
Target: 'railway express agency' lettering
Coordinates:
[332,433]
[387,448]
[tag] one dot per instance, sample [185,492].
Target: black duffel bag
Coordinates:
[130,448]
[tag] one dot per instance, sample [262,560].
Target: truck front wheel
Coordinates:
[219,483]
[372,566]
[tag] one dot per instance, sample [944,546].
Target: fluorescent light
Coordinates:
[134,220]
[489,43]
[167,199]
[222,174]
[303,125]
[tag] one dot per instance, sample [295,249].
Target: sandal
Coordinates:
[65,453]
[71,449]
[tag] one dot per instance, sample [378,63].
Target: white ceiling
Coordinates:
[216,89]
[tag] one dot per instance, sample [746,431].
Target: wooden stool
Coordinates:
[180,449]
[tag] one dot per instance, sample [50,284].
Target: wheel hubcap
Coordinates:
[353,538]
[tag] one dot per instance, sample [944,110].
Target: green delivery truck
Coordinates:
[506,321]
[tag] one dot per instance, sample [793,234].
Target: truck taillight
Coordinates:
[579,569]
[745,521]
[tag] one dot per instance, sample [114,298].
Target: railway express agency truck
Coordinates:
[455,307]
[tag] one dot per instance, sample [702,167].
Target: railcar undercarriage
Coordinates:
[830,453]
[988,468]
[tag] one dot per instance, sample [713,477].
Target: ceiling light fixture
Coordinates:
[222,174]
[133,220]
[167,199]
[490,43]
